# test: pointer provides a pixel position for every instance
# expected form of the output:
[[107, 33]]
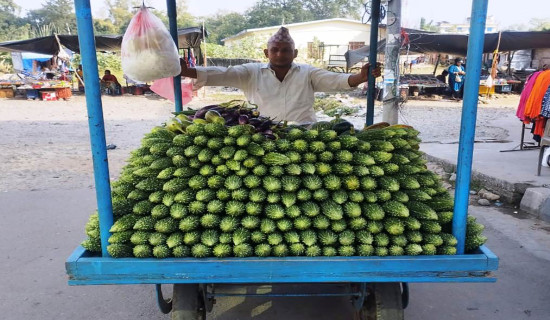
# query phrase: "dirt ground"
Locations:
[[46, 145]]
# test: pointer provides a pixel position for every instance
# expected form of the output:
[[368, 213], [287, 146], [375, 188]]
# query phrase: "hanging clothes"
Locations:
[[520, 113], [534, 103], [545, 111], [540, 124]]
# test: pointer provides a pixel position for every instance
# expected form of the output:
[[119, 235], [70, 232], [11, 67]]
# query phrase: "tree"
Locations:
[[221, 26], [11, 26], [104, 26], [327, 9], [427, 26], [540, 24], [185, 19], [121, 12], [267, 13], [9, 6], [248, 48], [57, 13]]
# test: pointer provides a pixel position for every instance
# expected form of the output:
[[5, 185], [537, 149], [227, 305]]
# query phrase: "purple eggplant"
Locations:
[[265, 125], [248, 112], [268, 131], [243, 119], [231, 119], [255, 122], [270, 136], [202, 112]]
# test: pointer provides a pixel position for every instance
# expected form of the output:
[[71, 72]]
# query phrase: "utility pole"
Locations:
[[391, 65]]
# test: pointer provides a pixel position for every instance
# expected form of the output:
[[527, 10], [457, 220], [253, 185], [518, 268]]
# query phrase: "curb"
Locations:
[[509, 192]]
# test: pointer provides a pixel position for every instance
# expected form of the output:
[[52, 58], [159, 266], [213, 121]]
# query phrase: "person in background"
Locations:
[[63, 77], [456, 78], [406, 65], [443, 76], [80, 78], [282, 89], [109, 81]]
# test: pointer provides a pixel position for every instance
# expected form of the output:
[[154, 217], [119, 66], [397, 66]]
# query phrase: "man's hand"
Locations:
[[187, 72], [376, 72], [356, 79]]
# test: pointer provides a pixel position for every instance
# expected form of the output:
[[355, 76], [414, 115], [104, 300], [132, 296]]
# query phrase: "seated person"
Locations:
[[64, 76], [443, 76], [110, 82]]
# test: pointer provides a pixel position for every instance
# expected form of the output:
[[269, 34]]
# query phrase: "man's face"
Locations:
[[280, 54]]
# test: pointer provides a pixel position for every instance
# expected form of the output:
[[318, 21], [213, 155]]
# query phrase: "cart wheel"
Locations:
[[187, 303], [384, 302]]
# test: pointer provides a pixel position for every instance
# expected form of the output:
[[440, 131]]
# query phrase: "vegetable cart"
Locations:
[[377, 285]]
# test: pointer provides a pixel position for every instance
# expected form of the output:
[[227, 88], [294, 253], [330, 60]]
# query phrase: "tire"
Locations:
[[384, 302], [186, 303]]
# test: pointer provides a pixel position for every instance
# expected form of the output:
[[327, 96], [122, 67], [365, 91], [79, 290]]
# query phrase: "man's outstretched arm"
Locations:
[[356, 79], [187, 72], [235, 76]]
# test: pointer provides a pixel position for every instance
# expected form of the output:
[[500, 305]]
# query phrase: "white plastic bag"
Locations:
[[148, 51]]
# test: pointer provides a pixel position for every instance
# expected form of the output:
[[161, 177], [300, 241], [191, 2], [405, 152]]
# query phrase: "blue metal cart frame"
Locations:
[[85, 268]]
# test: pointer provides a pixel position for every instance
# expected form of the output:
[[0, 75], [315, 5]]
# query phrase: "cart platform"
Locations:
[[85, 268]]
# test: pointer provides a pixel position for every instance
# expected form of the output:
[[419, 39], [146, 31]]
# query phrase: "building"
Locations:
[[323, 41], [464, 28], [541, 57]]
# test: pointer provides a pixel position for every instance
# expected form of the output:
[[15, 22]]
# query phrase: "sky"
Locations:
[[506, 12]]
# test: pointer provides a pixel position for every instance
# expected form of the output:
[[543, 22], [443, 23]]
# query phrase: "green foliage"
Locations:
[[12, 27], [539, 24], [54, 16], [276, 12], [250, 48], [221, 26]]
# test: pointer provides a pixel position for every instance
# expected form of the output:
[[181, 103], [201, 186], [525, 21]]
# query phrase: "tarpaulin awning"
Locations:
[[457, 44], [187, 38]]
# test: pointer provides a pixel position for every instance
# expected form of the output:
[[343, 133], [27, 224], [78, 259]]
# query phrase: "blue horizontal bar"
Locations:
[[84, 269]]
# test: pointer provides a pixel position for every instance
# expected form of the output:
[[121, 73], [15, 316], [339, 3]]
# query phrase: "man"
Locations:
[[110, 82], [282, 89]]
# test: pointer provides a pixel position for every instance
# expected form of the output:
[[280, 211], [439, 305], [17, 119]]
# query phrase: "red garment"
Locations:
[[534, 103], [540, 124], [109, 77]]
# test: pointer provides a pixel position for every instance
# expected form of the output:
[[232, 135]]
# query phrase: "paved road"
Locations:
[[39, 229]]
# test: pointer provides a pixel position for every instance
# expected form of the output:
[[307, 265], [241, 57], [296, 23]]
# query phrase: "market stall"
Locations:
[[47, 90], [34, 83], [457, 44]]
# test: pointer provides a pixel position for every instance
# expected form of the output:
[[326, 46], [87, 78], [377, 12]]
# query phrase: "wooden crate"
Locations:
[[7, 93]]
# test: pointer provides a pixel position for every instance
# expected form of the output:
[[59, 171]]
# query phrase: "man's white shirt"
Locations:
[[292, 99]]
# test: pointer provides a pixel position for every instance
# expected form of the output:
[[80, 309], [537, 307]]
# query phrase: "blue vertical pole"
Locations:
[[468, 122], [172, 19], [95, 119], [371, 90]]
